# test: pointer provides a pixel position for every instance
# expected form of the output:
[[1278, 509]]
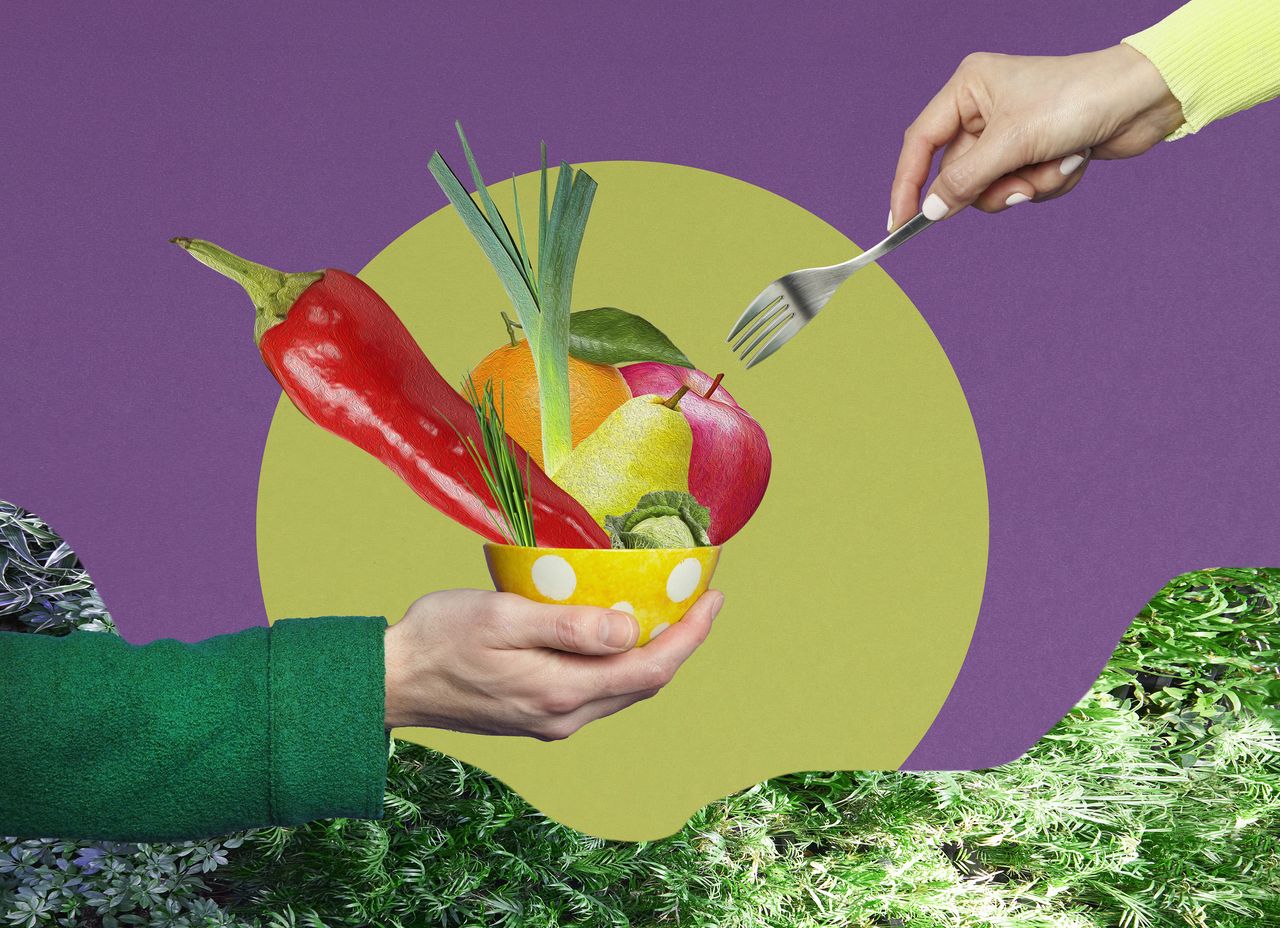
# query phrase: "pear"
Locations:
[[642, 446]]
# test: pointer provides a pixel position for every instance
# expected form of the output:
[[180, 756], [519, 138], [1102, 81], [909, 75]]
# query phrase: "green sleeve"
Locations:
[[105, 740]]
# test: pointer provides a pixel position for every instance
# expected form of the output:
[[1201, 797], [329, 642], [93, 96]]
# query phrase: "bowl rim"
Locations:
[[499, 546]]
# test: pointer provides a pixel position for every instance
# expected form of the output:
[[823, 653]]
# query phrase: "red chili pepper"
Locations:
[[348, 363]]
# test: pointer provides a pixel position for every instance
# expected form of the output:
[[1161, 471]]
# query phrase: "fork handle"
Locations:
[[909, 229]]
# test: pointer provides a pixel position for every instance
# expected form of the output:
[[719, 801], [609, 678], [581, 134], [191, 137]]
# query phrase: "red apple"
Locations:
[[729, 468]]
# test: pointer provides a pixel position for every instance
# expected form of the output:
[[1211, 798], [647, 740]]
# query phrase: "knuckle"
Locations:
[[655, 675], [960, 179], [500, 618], [558, 703], [569, 630]]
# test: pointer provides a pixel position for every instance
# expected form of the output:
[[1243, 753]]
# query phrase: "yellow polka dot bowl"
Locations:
[[656, 585]]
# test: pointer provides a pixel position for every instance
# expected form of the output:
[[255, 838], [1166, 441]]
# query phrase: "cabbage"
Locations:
[[663, 519]]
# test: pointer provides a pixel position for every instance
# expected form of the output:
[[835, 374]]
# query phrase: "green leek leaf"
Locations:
[[512, 279]]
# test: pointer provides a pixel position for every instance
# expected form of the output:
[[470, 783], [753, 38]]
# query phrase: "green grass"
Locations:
[[1155, 802]]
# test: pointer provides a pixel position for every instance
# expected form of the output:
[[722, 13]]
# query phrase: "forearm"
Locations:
[[1217, 56], [107, 740]]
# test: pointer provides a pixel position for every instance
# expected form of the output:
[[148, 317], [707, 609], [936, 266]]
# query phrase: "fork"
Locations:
[[789, 303]]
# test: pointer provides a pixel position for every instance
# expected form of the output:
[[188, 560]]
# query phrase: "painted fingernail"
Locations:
[[888, 227], [1016, 198], [934, 207], [1071, 162], [617, 630]]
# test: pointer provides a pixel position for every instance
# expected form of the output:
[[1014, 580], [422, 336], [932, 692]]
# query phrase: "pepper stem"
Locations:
[[273, 292], [715, 385], [674, 400]]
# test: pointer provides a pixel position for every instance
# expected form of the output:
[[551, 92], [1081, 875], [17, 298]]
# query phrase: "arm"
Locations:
[[102, 739], [281, 725], [1013, 128]]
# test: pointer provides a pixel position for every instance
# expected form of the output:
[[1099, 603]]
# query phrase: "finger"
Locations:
[[1061, 178], [995, 153], [523, 623], [936, 125], [653, 666], [1037, 182]]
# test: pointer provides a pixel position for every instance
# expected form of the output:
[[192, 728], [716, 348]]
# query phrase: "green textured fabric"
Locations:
[[105, 740]]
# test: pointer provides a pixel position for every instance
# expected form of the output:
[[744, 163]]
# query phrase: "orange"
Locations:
[[595, 390]]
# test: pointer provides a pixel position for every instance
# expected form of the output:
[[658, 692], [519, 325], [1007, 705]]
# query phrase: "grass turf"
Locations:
[[1155, 802]]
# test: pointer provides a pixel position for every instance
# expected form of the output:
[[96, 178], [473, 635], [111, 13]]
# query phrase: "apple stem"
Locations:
[[675, 398], [715, 385], [512, 325]]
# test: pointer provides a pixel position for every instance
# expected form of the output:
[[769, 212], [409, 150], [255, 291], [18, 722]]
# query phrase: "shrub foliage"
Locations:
[[1155, 802]]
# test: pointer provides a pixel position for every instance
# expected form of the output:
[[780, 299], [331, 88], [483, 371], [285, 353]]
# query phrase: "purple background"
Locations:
[[1118, 347]]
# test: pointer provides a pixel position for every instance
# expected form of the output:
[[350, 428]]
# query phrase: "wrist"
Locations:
[[395, 713], [1146, 94]]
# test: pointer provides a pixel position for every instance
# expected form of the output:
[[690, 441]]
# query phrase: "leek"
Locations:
[[541, 296]]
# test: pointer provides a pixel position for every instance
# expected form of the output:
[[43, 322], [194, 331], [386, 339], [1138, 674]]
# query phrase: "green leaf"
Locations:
[[496, 222], [609, 335], [557, 259], [512, 277]]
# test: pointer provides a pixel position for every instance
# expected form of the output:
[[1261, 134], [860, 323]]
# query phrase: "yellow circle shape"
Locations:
[[850, 597]]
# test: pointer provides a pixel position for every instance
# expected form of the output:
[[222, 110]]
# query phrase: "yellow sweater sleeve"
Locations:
[[1217, 56]]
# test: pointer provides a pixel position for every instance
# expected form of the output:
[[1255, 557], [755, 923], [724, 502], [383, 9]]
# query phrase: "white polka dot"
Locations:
[[684, 579], [554, 577], [659, 629], [623, 606]]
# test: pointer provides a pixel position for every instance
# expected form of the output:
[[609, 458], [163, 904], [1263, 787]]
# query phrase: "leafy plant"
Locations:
[[88, 884], [1151, 805], [43, 586], [1154, 804]]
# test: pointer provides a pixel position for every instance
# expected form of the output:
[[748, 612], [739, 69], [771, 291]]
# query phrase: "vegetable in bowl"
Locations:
[[662, 519]]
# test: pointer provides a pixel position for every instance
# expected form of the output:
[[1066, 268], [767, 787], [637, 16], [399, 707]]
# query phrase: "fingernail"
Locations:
[[617, 630], [715, 607], [1071, 162], [888, 226], [934, 208], [1016, 198]]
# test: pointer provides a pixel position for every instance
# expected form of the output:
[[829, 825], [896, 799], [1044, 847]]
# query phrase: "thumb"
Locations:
[[578, 629], [960, 182]]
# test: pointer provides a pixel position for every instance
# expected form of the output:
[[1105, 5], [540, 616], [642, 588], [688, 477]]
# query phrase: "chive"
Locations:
[[498, 467]]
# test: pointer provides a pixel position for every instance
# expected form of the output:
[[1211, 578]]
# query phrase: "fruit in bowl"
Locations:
[[656, 585], [592, 483]]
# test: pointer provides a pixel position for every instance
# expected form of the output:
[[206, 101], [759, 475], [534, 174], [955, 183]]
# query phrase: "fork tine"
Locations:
[[783, 335], [768, 296], [778, 307], [775, 326]]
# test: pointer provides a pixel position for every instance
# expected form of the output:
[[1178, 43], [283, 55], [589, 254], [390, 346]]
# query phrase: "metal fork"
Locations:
[[788, 304]]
